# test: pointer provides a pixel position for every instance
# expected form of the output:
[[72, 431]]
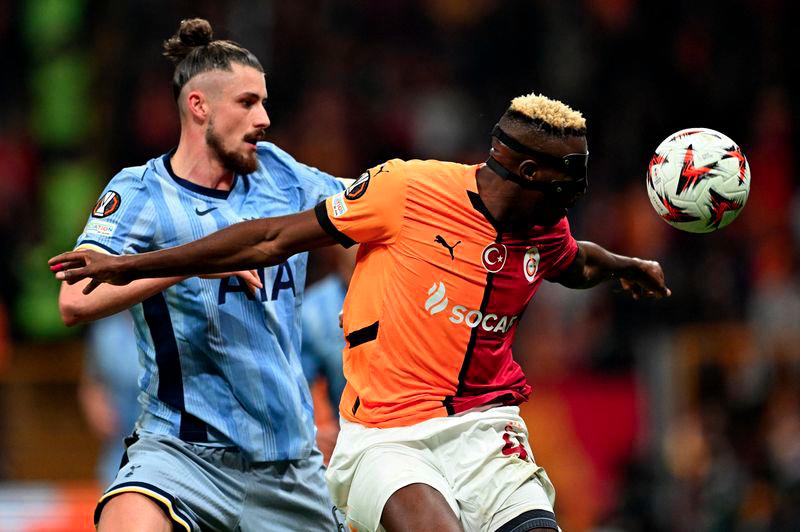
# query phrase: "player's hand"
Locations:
[[645, 278], [249, 277], [74, 266]]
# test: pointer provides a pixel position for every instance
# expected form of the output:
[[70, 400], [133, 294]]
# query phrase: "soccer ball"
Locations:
[[698, 180]]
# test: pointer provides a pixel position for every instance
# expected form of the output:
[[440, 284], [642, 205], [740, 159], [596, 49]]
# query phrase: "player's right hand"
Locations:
[[74, 266], [645, 280], [250, 278]]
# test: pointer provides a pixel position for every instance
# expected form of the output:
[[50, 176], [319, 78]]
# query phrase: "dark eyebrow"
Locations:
[[249, 95]]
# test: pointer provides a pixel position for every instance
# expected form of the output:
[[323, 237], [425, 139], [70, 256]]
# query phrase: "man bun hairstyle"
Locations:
[[191, 33], [551, 116], [193, 51]]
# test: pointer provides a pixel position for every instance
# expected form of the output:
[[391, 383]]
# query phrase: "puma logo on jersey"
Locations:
[[440, 240]]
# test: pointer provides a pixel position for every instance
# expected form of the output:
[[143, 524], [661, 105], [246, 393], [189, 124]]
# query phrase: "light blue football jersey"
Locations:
[[323, 339], [221, 366]]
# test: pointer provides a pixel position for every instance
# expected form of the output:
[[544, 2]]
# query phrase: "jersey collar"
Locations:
[[194, 187]]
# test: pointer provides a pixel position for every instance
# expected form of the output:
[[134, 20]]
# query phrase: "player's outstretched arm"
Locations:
[[75, 308], [594, 264], [243, 246]]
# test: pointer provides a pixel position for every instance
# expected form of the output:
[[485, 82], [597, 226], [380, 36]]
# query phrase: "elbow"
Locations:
[[269, 253], [71, 313]]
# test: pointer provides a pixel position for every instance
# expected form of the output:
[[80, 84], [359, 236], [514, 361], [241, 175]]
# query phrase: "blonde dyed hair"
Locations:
[[552, 115]]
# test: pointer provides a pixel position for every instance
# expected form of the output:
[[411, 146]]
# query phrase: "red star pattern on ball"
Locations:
[[691, 175], [675, 213], [736, 153], [719, 206]]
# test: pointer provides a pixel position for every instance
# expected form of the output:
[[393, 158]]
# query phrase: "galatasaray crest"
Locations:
[[530, 263]]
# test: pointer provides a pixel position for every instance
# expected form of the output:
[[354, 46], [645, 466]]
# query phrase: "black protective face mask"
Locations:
[[574, 165]]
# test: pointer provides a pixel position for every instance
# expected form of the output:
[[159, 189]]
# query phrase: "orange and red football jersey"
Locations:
[[436, 295]]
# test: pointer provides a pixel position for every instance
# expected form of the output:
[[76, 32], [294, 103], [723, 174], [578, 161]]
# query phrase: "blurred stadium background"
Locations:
[[675, 415]]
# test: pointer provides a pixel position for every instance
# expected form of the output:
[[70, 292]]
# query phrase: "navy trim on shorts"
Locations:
[[127, 442], [530, 520], [170, 377], [176, 527], [321, 212]]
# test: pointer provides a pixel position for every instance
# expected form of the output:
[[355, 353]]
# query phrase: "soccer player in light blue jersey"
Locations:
[[323, 338], [225, 440]]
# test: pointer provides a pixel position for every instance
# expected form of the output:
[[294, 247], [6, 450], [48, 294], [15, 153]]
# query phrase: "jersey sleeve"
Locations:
[[370, 210], [564, 251], [123, 220], [314, 185], [319, 184]]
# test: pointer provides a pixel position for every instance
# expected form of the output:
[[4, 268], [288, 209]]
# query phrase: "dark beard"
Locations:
[[231, 161]]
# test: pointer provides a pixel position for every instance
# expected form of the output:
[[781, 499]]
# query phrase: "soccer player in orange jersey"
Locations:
[[450, 256]]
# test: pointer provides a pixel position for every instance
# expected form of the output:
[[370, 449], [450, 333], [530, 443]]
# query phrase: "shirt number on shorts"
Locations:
[[513, 443]]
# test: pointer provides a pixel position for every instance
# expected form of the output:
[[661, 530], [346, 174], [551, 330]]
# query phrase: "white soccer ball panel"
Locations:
[[698, 180]]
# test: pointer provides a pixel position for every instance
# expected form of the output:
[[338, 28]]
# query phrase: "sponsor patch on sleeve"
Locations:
[[99, 228], [359, 186], [106, 205], [338, 205]]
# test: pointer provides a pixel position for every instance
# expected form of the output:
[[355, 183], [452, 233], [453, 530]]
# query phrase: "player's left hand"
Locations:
[[75, 266], [645, 279]]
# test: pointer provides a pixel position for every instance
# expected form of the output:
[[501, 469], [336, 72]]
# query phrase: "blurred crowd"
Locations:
[[672, 415]]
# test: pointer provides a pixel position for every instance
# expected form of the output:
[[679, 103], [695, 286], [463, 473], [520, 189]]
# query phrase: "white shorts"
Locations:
[[480, 462]]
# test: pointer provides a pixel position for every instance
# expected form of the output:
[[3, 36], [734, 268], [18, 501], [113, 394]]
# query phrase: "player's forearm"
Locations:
[[601, 265], [242, 246], [77, 308]]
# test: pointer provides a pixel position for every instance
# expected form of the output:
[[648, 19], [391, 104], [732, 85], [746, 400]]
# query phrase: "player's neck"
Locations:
[[194, 161], [502, 199]]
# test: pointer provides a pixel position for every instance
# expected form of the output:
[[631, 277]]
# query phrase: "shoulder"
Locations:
[[561, 228], [276, 168], [396, 178], [423, 169], [132, 176], [279, 163], [286, 171], [413, 165], [429, 180], [136, 186], [130, 183], [269, 152], [143, 175], [552, 235]]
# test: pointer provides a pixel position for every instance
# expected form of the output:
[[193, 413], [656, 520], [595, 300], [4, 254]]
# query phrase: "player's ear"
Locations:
[[528, 168], [197, 105]]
